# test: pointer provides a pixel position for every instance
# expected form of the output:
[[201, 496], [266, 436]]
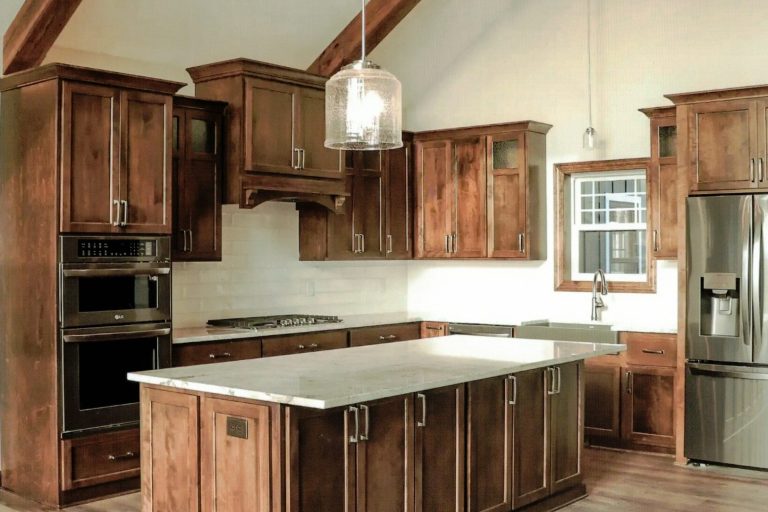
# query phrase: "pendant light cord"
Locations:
[[362, 58], [589, 58]]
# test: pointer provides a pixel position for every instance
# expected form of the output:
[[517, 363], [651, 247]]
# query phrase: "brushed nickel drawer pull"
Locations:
[[366, 435], [388, 338], [313, 346], [355, 437], [752, 169], [657, 352], [122, 456], [301, 346], [629, 383], [117, 213], [219, 356], [513, 380]]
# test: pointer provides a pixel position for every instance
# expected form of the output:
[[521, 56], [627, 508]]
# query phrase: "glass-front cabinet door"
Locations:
[[507, 230]]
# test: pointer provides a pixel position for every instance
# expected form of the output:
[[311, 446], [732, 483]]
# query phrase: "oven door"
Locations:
[[96, 393], [98, 294]]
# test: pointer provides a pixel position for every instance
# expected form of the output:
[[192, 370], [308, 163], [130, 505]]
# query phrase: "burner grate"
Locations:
[[273, 322]]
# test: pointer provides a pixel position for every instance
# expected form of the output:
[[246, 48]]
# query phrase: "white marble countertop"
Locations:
[[333, 378]]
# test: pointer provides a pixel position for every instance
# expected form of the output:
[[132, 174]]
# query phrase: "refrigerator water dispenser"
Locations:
[[720, 314]]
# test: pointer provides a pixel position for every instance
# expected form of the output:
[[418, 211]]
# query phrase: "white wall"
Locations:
[[465, 63]]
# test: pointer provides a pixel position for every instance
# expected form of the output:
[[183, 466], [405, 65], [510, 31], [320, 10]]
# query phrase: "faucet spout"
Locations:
[[597, 301]]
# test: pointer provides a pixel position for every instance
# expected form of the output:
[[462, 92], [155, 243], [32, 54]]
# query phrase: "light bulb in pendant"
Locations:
[[590, 136]]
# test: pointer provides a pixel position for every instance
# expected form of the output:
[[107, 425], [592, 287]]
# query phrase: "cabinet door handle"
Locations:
[[752, 169], [447, 244], [297, 154], [655, 240], [454, 243], [303, 158], [629, 382], [313, 346], [355, 437], [551, 372], [301, 346], [659, 352], [559, 379], [521, 242], [184, 240], [362, 243], [125, 213], [219, 356], [760, 169], [366, 436], [389, 244], [122, 456], [388, 337], [423, 398], [190, 240], [116, 222], [513, 394]]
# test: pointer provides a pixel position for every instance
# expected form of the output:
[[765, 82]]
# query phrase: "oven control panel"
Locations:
[[116, 248]]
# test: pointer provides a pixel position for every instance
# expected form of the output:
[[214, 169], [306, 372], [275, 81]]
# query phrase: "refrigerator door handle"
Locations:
[[756, 268], [719, 370]]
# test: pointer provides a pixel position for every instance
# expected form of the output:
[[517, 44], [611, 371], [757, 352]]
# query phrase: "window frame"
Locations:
[[565, 280]]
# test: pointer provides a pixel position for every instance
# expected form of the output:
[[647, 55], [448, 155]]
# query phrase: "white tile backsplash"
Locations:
[[260, 274]]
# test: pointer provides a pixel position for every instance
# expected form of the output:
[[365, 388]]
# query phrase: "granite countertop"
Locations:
[[333, 378], [208, 333]]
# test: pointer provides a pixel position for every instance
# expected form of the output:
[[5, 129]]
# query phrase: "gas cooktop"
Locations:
[[273, 322]]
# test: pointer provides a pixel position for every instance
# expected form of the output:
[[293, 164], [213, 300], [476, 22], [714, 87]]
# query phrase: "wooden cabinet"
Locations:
[[662, 181], [630, 398], [190, 354], [531, 435], [383, 334], [375, 222], [197, 167], [433, 329], [116, 160], [100, 458], [276, 133], [566, 403], [301, 343], [481, 192]]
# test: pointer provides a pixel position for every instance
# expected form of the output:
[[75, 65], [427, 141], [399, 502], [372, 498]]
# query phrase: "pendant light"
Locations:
[[363, 106], [590, 134]]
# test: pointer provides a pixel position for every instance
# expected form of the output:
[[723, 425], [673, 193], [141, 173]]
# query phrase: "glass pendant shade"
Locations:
[[363, 108], [589, 138]]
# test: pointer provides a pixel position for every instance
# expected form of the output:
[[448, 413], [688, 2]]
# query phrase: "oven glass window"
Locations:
[[103, 369], [117, 292]]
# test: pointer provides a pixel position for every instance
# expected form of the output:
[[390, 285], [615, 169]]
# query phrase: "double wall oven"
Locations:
[[115, 312]]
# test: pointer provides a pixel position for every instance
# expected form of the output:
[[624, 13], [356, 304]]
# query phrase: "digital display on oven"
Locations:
[[90, 248]]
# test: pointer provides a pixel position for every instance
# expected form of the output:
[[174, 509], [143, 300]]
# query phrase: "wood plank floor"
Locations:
[[622, 481]]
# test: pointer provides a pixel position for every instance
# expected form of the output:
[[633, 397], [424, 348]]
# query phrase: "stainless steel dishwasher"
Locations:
[[496, 331]]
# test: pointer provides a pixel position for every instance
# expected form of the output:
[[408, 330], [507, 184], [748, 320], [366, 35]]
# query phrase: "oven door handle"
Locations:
[[106, 272], [115, 335]]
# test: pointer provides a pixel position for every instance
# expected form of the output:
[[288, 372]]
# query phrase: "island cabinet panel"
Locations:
[[317, 446], [170, 455], [236, 464], [190, 354], [530, 443], [566, 405], [439, 450], [602, 401], [648, 413], [301, 343], [384, 334]]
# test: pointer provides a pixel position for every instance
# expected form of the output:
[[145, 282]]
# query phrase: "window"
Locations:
[[603, 214]]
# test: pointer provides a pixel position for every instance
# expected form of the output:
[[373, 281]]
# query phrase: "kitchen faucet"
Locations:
[[597, 302]]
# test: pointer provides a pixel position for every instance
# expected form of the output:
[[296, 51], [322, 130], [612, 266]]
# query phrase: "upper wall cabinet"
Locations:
[[197, 168], [723, 138], [480, 192], [662, 181], [275, 131]]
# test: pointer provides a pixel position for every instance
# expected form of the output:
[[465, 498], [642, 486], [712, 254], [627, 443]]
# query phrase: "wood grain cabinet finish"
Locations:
[[480, 192], [275, 130], [384, 334], [197, 176], [190, 354], [376, 220], [602, 412], [648, 406], [662, 181], [302, 343], [116, 160], [566, 403], [433, 329], [100, 458]]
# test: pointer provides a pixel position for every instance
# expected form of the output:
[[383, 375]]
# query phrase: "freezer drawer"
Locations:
[[726, 414]]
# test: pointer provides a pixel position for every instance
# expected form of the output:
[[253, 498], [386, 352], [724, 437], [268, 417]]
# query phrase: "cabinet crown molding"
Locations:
[[753, 91], [257, 69], [655, 112], [488, 129]]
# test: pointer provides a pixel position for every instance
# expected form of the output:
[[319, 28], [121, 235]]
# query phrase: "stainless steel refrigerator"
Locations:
[[726, 387]]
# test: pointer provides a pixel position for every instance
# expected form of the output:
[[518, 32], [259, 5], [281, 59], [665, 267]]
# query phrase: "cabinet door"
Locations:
[[316, 159], [190, 354], [723, 145], [270, 135], [530, 481], [368, 205], [507, 219], [489, 427], [236, 459], [399, 203], [170, 474], [383, 334], [145, 161], [566, 435], [662, 187], [89, 158], [648, 406], [318, 450], [602, 393], [302, 343], [439, 450], [470, 194], [434, 199], [181, 209], [384, 457]]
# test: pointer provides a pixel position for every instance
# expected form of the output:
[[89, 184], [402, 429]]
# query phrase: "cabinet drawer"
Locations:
[[383, 334], [301, 343], [188, 354], [99, 459], [650, 349]]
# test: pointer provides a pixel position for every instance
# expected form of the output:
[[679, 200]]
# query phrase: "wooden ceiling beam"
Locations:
[[33, 31], [381, 16]]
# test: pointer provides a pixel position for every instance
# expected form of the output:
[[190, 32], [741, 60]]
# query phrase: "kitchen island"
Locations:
[[441, 424]]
